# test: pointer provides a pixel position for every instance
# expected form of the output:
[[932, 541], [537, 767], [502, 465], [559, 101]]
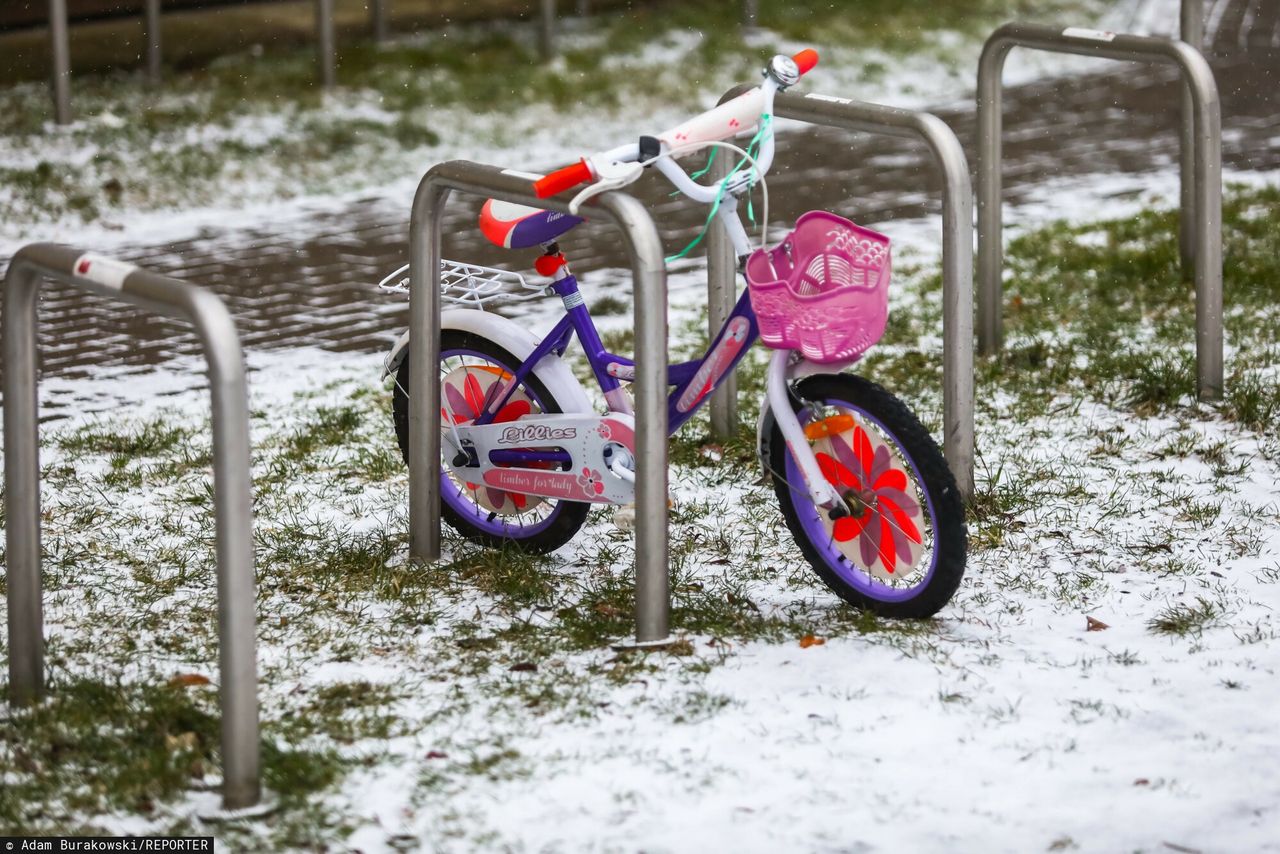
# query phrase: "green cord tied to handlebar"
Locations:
[[766, 122]]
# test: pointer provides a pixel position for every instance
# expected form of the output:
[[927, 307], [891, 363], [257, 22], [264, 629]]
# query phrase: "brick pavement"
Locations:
[[287, 291]]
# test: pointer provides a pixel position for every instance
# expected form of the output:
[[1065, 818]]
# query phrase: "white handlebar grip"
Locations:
[[725, 121]]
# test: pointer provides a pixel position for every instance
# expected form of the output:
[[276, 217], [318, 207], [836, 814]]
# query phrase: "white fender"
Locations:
[[551, 371]]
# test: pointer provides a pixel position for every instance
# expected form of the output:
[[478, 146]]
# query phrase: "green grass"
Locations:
[[1101, 311], [1186, 619], [96, 746], [1117, 303], [371, 650], [150, 438]]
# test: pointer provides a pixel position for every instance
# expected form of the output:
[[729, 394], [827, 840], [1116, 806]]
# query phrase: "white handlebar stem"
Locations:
[[728, 120]]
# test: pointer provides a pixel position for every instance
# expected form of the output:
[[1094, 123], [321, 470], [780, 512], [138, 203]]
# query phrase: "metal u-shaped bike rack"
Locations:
[[649, 274], [1202, 128], [957, 259], [233, 509]]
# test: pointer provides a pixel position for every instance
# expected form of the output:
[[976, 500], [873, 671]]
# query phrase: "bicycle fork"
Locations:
[[823, 493]]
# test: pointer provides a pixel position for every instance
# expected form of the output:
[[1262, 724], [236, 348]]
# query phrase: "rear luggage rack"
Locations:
[[471, 285]]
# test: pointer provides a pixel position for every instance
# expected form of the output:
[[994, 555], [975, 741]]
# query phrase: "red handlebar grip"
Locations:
[[562, 179], [806, 59]]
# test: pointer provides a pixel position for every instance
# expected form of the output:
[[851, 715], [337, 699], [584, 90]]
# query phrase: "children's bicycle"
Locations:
[[862, 486]]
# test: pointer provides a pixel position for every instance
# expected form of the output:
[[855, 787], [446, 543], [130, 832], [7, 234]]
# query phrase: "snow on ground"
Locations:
[[1003, 726]]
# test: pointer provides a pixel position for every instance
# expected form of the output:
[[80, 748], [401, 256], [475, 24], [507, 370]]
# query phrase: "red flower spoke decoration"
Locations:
[[888, 532]]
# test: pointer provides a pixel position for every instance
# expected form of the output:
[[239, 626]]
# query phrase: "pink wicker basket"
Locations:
[[824, 290]]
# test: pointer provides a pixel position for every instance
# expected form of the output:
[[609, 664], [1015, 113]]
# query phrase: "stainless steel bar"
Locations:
[[325, 41], [233, 509], [650, 290], [424, 355], [990, 192], [378, 26], [233, 512], [649, 273], [1206, 121], [154, 53], [722, 281], [957, 247], [1191, 31], [22, 487], [547, 30], [1207, 114], [60, 54]]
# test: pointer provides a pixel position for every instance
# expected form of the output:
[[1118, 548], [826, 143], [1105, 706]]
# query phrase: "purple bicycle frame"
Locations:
[[692, 381]]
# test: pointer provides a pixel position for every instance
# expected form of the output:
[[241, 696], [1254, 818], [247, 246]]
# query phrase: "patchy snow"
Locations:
[[537, 138], [1008, 727]]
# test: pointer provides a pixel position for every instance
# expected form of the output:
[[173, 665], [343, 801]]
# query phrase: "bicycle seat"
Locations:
[[513, 226]]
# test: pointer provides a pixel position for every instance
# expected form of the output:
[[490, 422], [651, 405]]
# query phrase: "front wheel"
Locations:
[[902, 550]]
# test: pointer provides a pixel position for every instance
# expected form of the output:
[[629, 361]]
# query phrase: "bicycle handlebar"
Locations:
[[582, 172], [805, 60], [562, 179]]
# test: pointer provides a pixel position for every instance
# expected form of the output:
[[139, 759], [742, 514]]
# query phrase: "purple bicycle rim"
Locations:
[[476, 515], [811, 522]]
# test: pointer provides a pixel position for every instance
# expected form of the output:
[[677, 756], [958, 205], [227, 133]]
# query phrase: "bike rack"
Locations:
[[60, 47], [325, 40], [233, 509], [1191, 31], [1202, 203], [60, 51], [957, 258], [653, 602]]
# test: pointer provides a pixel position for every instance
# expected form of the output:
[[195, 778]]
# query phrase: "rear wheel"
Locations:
[[902, 551], [472, 368]]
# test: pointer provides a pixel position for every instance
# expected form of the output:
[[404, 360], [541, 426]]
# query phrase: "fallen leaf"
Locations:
[[436, 754], [1142, 781], [604, 609], [186, 680], [187, 741], [811, 640], [524, 667], [1092, 625]]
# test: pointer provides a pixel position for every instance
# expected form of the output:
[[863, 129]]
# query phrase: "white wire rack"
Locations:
[[472, 285]]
